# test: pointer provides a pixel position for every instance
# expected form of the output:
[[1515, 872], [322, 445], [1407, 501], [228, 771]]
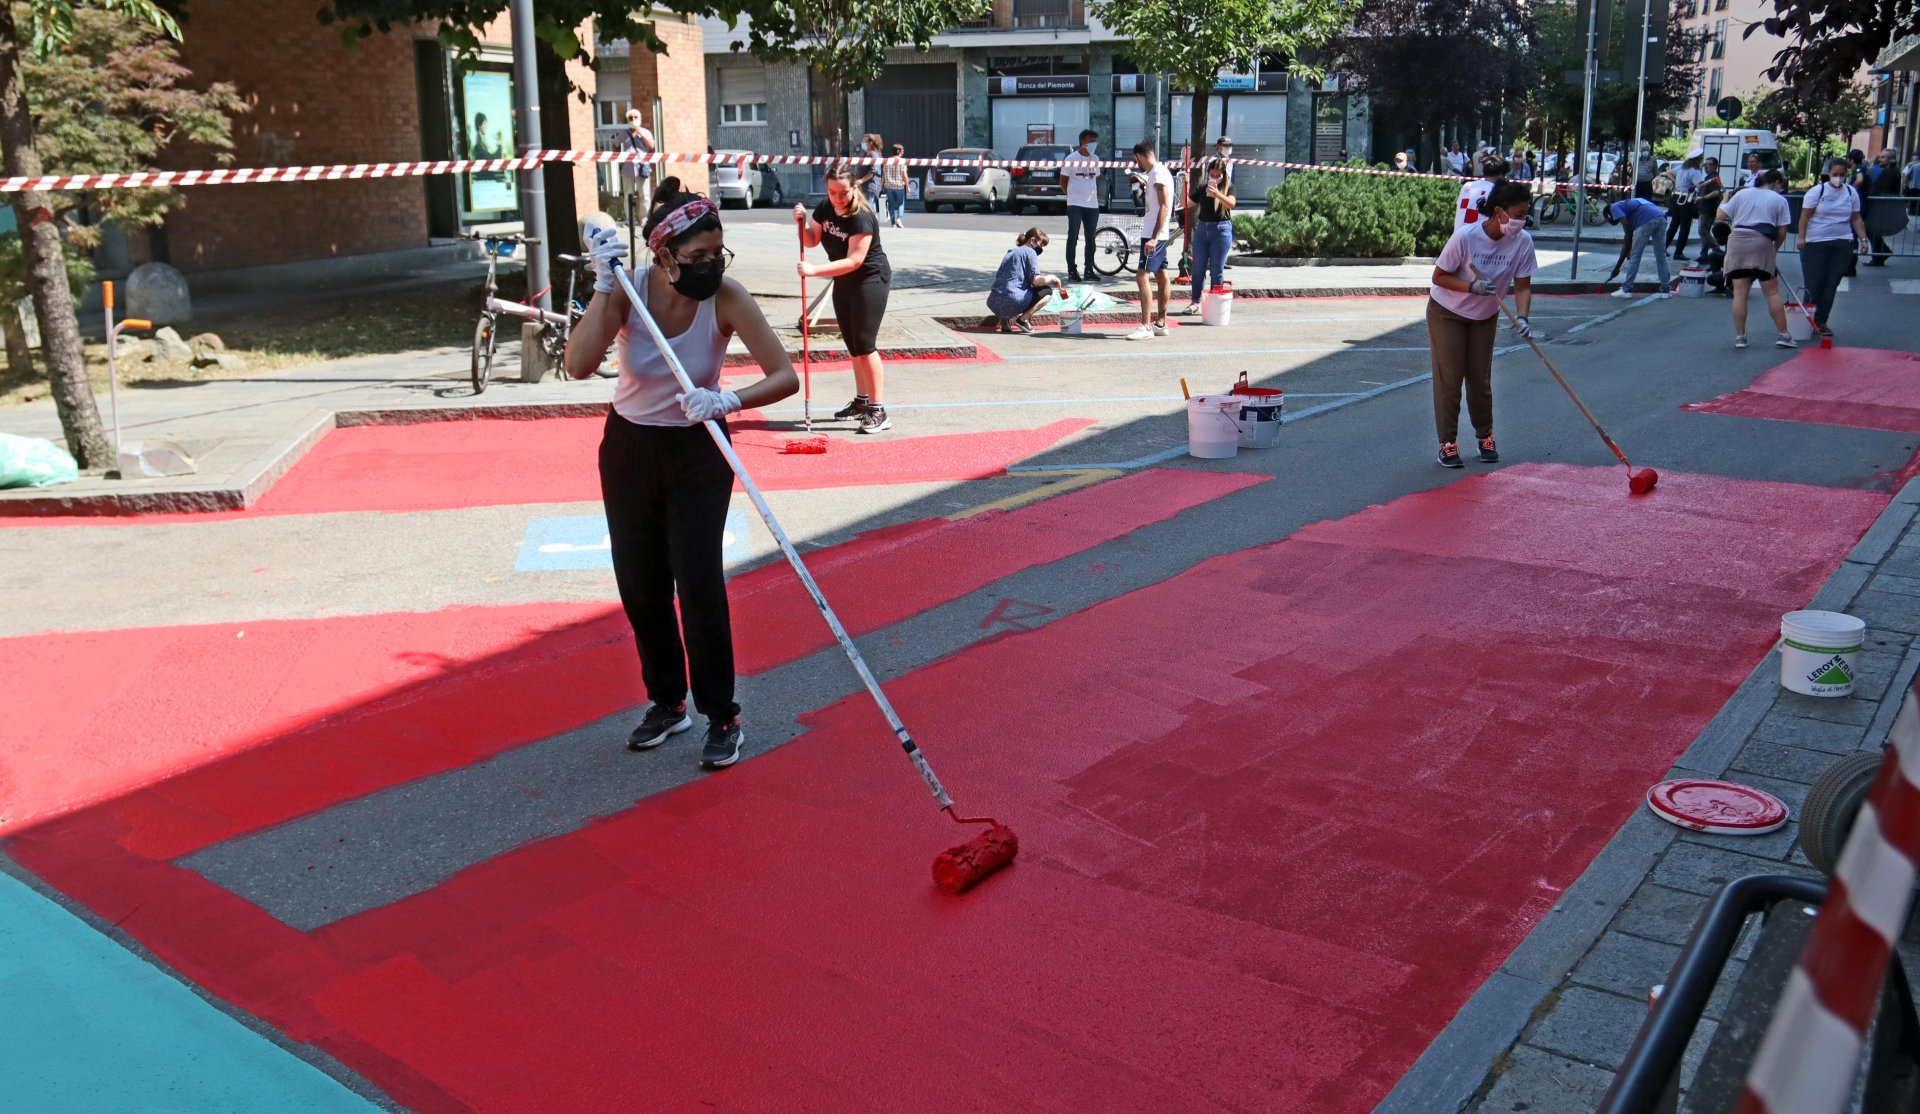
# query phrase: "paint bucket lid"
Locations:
[[1717, 807], [1823, 628]]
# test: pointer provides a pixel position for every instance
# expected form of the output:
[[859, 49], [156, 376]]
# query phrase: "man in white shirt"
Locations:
[[1083, 200], [1156, 215], [638, 175]]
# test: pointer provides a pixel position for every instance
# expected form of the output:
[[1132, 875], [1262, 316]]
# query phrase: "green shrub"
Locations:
[[1320, 214], [1670, 147]]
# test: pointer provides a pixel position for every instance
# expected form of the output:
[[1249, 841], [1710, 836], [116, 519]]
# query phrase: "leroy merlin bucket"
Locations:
[[1818, 650], [1800, 319], [1216, 305], [1693, 282], [1258, 414], [1212, 433], [1072, 321]]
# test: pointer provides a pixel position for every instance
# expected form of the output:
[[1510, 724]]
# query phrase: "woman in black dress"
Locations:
[[850, 231]]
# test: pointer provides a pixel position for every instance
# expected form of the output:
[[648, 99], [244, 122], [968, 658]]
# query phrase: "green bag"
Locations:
[[33, 462]]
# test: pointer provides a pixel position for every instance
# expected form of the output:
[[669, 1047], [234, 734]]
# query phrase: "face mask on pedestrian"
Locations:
[[700, 280]]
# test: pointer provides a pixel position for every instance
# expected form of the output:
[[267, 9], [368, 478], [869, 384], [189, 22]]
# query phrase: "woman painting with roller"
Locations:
[[1474, 271], [665, 483], [862, 277]]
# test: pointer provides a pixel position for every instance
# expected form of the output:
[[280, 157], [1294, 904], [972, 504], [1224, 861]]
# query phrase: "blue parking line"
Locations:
[[580, 541]]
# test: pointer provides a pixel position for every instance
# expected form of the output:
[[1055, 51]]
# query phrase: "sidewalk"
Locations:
[[1547, 1030]]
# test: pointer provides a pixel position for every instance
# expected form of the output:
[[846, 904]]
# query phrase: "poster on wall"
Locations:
[[486, 130]]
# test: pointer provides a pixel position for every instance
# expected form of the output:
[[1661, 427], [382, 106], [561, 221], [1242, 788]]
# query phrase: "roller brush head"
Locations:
[[804, 445], [958, 869], [1642, 480]]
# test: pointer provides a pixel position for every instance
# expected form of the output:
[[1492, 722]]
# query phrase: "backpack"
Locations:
[[1663, 187]]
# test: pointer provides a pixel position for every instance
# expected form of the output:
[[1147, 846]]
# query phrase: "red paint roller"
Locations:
[[957, 869], [1639, 480]]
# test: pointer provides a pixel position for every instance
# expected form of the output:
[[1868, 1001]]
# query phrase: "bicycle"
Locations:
[[558, 326], [1112, 247]]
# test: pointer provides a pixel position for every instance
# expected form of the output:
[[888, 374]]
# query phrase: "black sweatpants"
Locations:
[[666, 490], [1823, 263]]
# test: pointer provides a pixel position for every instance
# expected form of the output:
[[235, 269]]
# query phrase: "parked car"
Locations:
[[745, 186], [985, 186], [1038, 185]]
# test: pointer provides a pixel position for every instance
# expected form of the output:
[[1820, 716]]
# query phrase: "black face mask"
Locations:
[[701, 280]]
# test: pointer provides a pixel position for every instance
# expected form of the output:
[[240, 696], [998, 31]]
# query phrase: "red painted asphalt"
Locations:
[[1280, 815], [1869, 388]]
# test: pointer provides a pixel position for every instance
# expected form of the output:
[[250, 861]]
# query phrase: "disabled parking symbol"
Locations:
[[580, 541]]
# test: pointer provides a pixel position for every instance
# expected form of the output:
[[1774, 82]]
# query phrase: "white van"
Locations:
[[1731, 146]]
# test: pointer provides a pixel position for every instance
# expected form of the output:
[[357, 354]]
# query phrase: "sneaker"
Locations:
[[1073, 275], [1664, 294], [1450, 455], [1144, 332], [1488, 454], [875, 420], [852, 409], [1192, 307], [1740, 342], [1823, 332], [1784, 340], [1623, 292], [660, 721], [1159, 328], [723, 745]]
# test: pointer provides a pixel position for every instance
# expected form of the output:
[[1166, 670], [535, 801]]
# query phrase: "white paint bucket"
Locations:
[[1216, 305], [1693, 282], [1818, 650], [1212, 432], [1800, 322], [1072, 321], [1258, 417]]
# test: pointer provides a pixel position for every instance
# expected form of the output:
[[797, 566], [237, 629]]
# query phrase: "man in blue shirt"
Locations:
[[1644, 222]]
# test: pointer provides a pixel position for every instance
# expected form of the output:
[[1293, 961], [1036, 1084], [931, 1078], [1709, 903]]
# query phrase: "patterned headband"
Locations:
[[678, 221]]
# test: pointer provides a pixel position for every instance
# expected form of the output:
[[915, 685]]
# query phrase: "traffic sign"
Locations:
[[1728, 108]]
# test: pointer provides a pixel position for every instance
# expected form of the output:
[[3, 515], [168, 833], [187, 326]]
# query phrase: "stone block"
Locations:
[[167, 347], [1781, 761], [1539, 1081], [1660, 913], [1590, 1025], [1811, 734], [1701, 869], [159, 293]]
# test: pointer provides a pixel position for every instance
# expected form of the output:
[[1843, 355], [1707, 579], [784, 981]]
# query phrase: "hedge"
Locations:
[[1326, 215]]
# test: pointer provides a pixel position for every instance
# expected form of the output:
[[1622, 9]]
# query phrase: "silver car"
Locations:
[[744, 186], [986, 186]]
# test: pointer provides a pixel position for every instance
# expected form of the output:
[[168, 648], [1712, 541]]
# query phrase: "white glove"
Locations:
[[604, 249], [703, 405], [1522, 327], [1480, 286]]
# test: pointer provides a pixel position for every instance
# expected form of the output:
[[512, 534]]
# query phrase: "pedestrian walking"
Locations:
[[1832, 235], [893, 177], [1882, 216], [1519, 168], [1642, 223], [1466, 207], [1401, 164], [1213, 201], [637, 176], [846, 226], [1759, 217], [1707, 197], [867, 177], [665, 484], [1911, 176], [1480, 263], [1684, 209], [1083, 202], [1223, 151], [1156, 214], [1019, 286], [1456, 160], [1643, 171]]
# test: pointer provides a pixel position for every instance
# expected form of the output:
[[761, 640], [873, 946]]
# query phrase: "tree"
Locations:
[[1815, 119], [847, 39], [1192, 40], [49, 26], [1427, 62], [1562, 49], [1829, 41]]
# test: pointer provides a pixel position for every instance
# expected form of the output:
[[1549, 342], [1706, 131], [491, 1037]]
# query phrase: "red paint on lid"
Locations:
[[1721, 807]]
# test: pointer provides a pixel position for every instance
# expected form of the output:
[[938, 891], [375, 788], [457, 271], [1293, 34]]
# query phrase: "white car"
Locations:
[[989, 187], [747, 185]]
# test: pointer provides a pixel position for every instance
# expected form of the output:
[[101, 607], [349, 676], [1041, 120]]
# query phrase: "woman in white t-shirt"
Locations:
[[1831, 233], [1760, 216], [1480, 262]]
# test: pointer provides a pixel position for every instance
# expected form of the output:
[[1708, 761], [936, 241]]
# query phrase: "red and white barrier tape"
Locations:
[[155, 179], [1806, 1062]]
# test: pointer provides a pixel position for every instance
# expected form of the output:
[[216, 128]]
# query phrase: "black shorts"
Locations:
[[859, 305], [1754, 273]]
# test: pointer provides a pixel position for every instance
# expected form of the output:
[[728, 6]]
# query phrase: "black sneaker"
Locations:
[[854, 409], [1488, 454], [723, 745], [875, 420], [1450, 455], [1073, 275], [660, 721]]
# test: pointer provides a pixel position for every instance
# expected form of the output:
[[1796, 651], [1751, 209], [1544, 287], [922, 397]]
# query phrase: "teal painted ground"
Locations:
[[92, 1027]]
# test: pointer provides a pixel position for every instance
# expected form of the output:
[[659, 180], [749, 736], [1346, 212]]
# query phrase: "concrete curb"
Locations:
[[1455, 1064]]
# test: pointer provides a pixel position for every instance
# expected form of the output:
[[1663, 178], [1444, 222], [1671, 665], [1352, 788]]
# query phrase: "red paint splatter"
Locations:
[[1867, 388]]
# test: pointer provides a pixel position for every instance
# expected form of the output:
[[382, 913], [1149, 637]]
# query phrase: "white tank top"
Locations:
[[646, 393]]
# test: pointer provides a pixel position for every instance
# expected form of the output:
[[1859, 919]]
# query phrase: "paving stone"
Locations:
[[1626, 965], [1856, 710], [1590, 1025], [1810, 734], [1660, 913], [1540, 1082], [1702, 869], [1902, 585], [1903, 561], [1777, 845], [1783, 762], [1888, 610]]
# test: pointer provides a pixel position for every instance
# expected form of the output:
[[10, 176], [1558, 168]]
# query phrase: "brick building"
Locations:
[[400, 96]]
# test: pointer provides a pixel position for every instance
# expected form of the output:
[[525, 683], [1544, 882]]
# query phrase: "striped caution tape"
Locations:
[[156, 179], [1807, 1060]]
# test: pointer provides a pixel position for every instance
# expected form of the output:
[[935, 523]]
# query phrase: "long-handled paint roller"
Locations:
[[809, 443], [956, 869], [1639, 480]]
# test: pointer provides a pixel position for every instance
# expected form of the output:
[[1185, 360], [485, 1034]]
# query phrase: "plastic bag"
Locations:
[[1083, 298], [33, 462]]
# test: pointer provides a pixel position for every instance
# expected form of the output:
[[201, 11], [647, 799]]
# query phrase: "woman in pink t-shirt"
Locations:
[[1476, 268]]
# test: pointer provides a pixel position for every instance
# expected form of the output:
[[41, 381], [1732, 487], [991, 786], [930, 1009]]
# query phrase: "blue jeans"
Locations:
[[1079, 217], [896, 204], [1653, 232], [1211, 239]]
